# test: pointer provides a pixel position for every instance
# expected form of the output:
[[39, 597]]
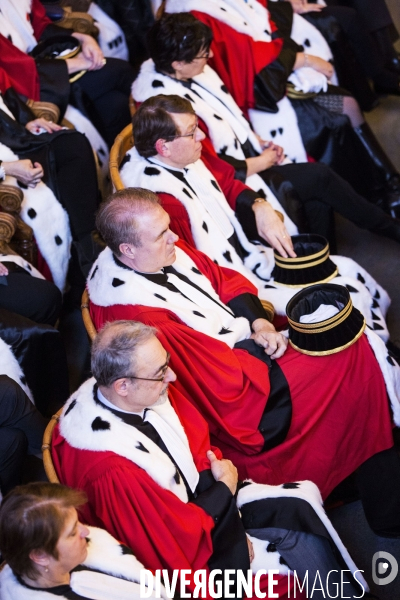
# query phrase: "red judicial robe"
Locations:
[[340, 406], [162, 531], [238, 68], [20, 69]]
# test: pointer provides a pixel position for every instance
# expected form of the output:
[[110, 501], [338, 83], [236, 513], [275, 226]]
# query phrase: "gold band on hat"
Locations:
[[304, 285], [333, 350], [289, 259], [323, 325], [305, 265]]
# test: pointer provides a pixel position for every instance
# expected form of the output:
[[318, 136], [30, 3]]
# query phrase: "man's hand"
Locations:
[[35, 125], [223, 470], [302, 6], [280, 155], [271, 229], [24, 171], [265, 335], [3, 270], [263, 161], [91, 51]]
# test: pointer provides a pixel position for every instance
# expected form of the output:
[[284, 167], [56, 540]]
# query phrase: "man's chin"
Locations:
[[163, 397]]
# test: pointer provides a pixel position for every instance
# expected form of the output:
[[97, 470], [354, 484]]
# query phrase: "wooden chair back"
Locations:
[[123, 143], [21, 240], [87, 319], [46, 448]]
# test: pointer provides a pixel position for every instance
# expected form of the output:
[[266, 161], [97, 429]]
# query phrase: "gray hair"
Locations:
[[114, 350], [117, 217]]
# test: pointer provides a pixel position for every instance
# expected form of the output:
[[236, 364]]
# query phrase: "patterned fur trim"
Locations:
[[105, 554], [109, 284], [49, 221], [305, 490], [88, 426], [9, 366], [21, 262]]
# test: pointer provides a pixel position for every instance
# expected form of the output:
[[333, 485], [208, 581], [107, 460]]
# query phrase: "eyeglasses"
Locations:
[[163, 373], [190, 134]]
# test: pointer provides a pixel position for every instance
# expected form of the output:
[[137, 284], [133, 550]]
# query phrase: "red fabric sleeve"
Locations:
[[238, 58], [227, 283], [162, 531], [228, 387], [19, 70], [223, 172], [39, 18], [180, 222]]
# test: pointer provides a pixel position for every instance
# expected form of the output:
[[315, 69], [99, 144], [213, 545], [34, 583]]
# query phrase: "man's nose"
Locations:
[[173, 238], [170, 375], [200, 135]]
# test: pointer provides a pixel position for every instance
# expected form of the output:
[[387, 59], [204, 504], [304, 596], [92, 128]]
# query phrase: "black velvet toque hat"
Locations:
[[328, 336], [311, 265]]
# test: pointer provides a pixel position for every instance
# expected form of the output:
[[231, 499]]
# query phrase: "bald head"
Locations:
[[115, 350], [120, 219]]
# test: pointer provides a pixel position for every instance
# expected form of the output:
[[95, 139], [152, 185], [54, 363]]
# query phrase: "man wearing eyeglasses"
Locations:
[[220, 215], [142, 454]]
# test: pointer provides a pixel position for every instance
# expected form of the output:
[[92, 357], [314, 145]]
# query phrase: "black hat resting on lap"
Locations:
[[322, 320], [311, 265]]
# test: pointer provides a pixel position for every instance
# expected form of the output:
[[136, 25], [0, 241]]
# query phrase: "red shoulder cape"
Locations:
[[163, 532], [238, 58], [340, 407]]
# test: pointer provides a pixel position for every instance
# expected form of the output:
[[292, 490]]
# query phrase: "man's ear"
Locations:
[[177, 65], [120, 387], [162, 148], [127, 250]]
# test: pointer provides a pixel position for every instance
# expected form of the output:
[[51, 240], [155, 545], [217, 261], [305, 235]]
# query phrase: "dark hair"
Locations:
[[32, 517], [177, 36], [152, 121], [116, 217], [114, 349]]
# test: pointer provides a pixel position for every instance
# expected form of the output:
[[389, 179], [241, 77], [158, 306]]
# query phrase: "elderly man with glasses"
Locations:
[[142, 454]]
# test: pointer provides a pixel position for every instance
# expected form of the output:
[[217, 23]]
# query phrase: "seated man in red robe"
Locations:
[[142, 454], [295, 417], [198, 192]]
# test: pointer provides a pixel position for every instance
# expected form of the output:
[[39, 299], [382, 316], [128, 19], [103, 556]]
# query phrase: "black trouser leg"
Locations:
[[378, 480], [36, 299], [318, 183], [108, 89], [21, 431], [76, 181]]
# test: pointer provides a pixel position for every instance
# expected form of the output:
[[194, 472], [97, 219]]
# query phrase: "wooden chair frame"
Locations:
[[87, 319], [46, 448], [123, 143]]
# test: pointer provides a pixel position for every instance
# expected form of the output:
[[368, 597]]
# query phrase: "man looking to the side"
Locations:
[[142, 454], [296, 417], [198, 193]]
